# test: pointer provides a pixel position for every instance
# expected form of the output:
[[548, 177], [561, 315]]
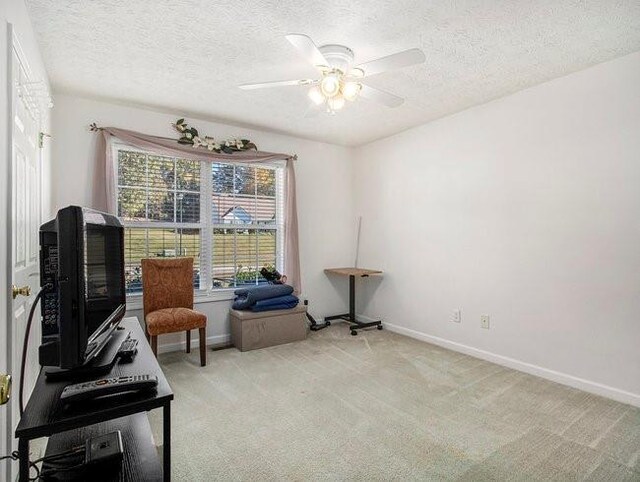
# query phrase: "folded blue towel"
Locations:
[[276, 301], [247, 297], [265, 291], [279, 306]]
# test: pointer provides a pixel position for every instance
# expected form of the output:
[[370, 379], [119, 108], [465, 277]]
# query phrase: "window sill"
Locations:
[[134, 302]]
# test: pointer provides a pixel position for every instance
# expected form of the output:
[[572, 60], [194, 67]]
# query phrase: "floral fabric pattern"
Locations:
[[168, 296]]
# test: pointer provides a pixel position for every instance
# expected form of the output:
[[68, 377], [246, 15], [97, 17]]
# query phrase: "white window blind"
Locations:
[[228, 217]]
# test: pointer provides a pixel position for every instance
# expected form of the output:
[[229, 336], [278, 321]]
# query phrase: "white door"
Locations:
[[25, 199]]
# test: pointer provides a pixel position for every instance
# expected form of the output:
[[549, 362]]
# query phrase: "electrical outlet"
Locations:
[[484, 321], [456, 316]]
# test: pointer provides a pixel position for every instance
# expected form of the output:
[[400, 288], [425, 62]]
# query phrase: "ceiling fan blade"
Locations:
[[276, 83], [381, 96], [393, 61], [308, 49]]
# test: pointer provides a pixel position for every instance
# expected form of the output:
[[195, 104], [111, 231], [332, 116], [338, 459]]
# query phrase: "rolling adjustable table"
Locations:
[[352, 273]]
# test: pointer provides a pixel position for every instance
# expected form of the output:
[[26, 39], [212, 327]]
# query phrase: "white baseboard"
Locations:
[[563, 378], [195, 343]]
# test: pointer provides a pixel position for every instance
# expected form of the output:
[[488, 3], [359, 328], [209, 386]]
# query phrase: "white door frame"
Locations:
[[5, 284]]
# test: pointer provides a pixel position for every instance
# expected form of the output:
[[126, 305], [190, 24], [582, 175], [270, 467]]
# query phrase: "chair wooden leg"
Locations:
[[188, 341], [203, 346], [154, 345]]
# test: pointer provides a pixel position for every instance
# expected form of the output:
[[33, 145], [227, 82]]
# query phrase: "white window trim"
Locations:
[[134, 301]]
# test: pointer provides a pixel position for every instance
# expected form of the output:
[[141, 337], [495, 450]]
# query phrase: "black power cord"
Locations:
[[51, 459], [25, 345], [13, 456], [73, 458]]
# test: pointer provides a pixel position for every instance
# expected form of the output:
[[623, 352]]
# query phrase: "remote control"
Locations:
[[128, 349], [108, 386]]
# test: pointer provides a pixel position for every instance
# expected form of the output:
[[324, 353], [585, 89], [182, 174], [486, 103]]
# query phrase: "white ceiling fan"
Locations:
[[340, 80]]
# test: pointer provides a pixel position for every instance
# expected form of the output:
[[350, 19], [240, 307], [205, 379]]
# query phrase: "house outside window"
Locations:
[[227, 217]]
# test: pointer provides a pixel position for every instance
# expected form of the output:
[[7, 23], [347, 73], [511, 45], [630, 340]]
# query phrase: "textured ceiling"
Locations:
[[188, 55]]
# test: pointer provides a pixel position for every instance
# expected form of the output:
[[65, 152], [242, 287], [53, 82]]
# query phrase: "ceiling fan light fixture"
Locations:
[[350, 90], [339, 80], [336, 102], [316, 95], [330, 85]]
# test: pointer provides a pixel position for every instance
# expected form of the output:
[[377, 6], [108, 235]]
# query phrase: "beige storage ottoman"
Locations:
[[250, 331]]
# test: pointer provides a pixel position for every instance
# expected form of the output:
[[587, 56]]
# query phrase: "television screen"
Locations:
[[103, 273]]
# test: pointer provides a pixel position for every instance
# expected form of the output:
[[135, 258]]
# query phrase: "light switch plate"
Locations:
[[456, 316]]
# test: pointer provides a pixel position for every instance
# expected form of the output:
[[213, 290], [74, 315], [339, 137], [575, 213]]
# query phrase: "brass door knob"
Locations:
[[24, 291], [5, 388]]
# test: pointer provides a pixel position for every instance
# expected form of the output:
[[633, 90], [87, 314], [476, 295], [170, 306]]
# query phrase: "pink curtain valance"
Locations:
[[104, 191]]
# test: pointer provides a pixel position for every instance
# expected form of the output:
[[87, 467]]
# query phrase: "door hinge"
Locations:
[[41, 137]]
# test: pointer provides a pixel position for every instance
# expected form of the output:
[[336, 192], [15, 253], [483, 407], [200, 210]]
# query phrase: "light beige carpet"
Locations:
[[382, 406]]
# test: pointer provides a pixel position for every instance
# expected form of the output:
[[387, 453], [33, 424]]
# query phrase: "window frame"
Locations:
[[206, 224]]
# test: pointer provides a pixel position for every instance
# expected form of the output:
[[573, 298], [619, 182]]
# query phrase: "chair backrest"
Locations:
[[167, 283]]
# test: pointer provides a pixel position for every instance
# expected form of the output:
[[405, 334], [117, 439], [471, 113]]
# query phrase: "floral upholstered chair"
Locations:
[[168, 302]]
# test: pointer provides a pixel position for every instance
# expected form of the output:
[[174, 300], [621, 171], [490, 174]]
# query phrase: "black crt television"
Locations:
[[82, 263]]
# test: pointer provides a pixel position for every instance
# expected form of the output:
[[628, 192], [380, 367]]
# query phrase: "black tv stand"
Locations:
[[68, 425], [101, 364]]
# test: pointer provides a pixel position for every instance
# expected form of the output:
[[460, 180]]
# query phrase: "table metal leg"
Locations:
[[166, 442], [344, 316], [352, 298], [354, 324], [23, 452]]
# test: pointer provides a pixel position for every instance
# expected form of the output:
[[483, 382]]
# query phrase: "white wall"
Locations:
[[323, 175], [527, 209]]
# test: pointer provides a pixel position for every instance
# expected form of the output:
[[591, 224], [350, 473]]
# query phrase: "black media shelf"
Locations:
[[67, 425]]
